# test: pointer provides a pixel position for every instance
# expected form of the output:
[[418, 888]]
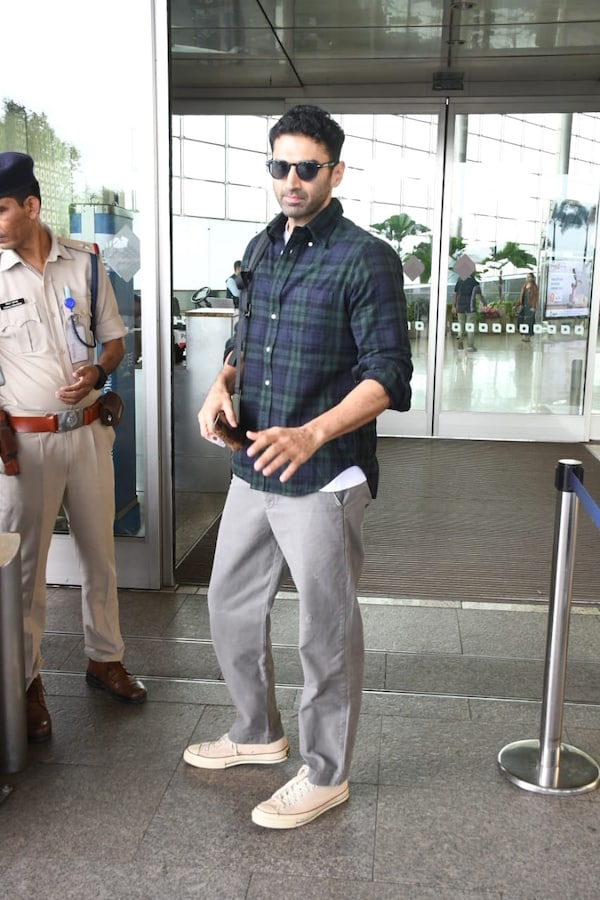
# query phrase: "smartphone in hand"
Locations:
[[230, 437]]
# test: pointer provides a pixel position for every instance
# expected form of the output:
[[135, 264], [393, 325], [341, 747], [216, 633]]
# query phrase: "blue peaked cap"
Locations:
[[16, 172]]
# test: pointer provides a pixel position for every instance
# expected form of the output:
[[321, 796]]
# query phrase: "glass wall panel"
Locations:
[[388, 188], [199, 128], [247, 132], [521, 258], [245, 167], [84, 113], [596, 389], [203, 198], [207, 160]]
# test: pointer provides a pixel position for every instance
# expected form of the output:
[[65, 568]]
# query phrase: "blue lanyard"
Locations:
[[70, 305]]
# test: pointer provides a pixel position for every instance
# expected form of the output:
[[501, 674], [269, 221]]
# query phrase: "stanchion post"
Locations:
[[557, 640], [13, 727], [548, 766]]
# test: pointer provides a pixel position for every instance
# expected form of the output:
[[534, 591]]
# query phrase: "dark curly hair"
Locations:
[[312, 122]]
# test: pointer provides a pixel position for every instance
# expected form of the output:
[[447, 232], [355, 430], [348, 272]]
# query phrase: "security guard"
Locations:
[[50, 385]]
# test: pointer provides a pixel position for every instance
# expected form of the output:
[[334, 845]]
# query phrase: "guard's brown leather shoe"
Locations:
[[39, 724], [114, 678]]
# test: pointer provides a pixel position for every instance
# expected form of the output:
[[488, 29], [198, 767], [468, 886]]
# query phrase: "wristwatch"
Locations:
[[102, 378]]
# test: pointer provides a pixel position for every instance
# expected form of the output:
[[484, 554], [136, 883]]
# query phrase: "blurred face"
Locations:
[[17, 222], [301, 200]]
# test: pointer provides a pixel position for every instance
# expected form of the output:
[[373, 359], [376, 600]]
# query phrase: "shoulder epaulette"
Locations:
[[86, 246]]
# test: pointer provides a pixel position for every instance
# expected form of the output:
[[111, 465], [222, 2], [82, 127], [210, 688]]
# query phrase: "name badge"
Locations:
[[78, 350], [8, 304]]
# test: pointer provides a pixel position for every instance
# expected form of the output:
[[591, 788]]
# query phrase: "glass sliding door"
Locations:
[[523, 196], [222, 196], [90, 124], [511, 200]]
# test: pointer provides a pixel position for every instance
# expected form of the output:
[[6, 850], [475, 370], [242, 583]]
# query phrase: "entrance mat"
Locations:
[[461, 520]]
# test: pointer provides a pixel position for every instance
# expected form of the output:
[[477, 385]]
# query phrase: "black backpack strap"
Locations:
[[94, 292], [243, 279], [243, 282]]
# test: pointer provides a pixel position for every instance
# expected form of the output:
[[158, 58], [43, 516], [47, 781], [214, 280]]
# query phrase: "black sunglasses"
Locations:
[[307, 170]]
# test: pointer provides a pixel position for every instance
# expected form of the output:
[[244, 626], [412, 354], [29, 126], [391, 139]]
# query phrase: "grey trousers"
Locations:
[[320, 537]]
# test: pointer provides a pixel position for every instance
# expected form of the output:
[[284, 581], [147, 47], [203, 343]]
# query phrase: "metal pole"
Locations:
[[576, 383], [557, 639], [549, 766], [13, 726]]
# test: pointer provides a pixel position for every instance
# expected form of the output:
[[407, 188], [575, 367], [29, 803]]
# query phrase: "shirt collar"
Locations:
[[318, 229], [10, 258], [56, 248]]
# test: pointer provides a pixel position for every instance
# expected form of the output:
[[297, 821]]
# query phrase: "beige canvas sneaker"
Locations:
[[224, 753], [298, 802]]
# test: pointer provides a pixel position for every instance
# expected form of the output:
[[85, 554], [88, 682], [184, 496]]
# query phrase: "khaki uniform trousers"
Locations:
[[319, 535], [74, 468]]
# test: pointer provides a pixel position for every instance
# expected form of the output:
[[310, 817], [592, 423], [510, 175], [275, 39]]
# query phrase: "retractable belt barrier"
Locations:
[[13, 727], [548, 766]]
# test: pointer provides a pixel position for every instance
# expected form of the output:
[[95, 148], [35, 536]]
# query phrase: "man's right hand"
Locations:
[[217, 400]]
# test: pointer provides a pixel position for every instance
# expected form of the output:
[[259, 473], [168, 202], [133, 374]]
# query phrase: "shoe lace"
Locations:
[[295, 789], [117, 667], [223, 741]]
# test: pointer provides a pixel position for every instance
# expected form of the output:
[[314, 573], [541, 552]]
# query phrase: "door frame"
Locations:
[[147, 562]]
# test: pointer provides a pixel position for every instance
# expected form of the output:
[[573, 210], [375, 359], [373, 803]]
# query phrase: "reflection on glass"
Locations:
[[522, 225], [380, 191], [596, 391], [87, 159]]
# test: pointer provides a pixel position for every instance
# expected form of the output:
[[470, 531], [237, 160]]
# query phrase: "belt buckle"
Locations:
[[69, 419]]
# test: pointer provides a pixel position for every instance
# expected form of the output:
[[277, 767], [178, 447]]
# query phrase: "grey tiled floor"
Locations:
[[107, 809]]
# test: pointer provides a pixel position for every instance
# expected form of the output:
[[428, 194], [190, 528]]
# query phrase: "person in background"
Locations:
[[50, 386], [464, 305], [326, 351], [233, 291], [527, 304]]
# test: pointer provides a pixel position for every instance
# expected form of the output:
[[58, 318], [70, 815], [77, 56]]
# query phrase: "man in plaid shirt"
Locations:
[[326, 350]]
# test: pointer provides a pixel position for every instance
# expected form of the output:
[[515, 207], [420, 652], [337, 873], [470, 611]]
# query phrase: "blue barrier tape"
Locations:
[[591, 508]]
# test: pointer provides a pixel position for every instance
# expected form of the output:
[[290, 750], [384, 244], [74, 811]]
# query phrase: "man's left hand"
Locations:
[[276, 447]]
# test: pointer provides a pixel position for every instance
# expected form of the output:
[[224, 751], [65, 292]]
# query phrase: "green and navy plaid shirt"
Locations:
[[327, 310]]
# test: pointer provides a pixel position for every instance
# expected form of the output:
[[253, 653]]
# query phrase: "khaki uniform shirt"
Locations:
[[35, 324]]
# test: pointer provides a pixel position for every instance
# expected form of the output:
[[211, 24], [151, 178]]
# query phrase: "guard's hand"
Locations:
[[85, 381], [276, 447]]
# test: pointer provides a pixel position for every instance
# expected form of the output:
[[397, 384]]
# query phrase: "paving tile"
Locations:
[[84, 879], [56, 649], [190, 621], [161, 658], [100, 731], [464, 676], [388, 703], [428, 750], [112, 811], [523, 634], [339, 843], [486, 834], [297, 888], [77, 811], [418, 629]]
